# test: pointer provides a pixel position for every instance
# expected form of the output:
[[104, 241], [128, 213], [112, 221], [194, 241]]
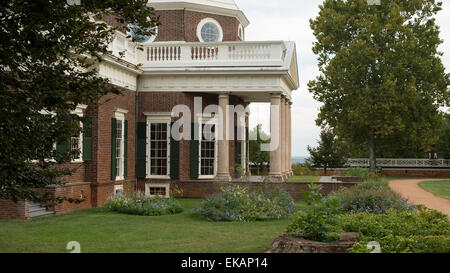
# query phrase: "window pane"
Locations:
[[210, 32]]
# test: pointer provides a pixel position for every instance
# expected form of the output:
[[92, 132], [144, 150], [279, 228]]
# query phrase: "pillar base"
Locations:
[[274, 178], [223, 178]]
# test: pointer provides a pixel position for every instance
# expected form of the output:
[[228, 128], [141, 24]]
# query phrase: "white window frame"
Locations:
[[151, 119], [151, 185], [206, 21], [118, 187], [241, 33], [208, 120], [120, 115], [79, 112]]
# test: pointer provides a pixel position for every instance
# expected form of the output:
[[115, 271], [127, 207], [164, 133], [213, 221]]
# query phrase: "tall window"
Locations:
[[76, 141], [76, 146], [208, 150], [119, 148], [159, 146]]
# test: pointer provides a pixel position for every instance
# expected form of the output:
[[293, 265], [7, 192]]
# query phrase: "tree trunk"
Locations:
[[325, 171], [372, 159]]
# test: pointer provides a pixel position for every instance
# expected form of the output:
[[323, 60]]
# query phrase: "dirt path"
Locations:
[[411, 190]]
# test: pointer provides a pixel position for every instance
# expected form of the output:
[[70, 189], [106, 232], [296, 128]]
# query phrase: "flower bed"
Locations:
[[138, 204], [237, 204]]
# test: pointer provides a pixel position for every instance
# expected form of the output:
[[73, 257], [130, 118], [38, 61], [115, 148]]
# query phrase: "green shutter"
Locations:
[[113, 148], [194, 152], [125, 150], [174, 157], [62, 150], [141, 153], [87, 139]]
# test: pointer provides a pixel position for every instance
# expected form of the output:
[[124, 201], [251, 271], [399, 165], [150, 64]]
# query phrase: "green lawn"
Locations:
[[98, 230], [303, 179], [438, 188]]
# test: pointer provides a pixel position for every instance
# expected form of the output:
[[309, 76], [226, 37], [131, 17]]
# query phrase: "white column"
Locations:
[[283, 137], [275, 174], [290, 137], [223, 172], [286, 139]]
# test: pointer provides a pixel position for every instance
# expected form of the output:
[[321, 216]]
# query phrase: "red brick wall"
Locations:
[[180, 25], [164, 102], [202, 189], [100, 171], [78, 191], [13, 211]]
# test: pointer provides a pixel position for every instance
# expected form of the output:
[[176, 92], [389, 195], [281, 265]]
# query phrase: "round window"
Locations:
[[142, 38], [209, 31]]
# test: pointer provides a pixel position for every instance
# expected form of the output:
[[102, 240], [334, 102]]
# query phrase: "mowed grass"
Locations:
[[438, 188], [98, 230], [303, 179]]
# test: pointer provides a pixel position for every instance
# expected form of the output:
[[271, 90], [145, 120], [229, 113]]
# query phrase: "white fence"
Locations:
[[399, 163]]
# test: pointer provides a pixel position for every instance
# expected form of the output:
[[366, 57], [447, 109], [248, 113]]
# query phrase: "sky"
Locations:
[[288, 20]]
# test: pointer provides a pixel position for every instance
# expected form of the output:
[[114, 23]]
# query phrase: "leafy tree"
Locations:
[[48, 57], [256, 155], [382, 78], [329, 154], [443, 146]]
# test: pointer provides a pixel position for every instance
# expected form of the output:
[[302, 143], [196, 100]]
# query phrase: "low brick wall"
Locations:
[[404, 172], [10, 210], [79, 191], [418, 173], [347, 179], [196, 189]]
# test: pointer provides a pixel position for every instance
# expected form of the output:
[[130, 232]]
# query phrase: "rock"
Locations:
[[349, 237], [287, 244]]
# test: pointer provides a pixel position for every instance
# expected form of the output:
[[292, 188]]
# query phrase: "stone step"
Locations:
[[36, 210]]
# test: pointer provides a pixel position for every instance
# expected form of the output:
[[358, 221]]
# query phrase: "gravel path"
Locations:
[[411, 190]]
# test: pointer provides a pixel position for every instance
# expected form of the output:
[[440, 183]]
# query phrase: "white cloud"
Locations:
[[289, 20]]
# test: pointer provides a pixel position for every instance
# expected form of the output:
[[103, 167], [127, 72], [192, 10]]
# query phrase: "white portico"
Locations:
[[254, 71]]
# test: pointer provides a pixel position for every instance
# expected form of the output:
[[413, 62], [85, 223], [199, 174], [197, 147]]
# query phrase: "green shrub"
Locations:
[[372, 197], [237, 204], [137, 204], [425, 231], [319, 221], [357, 172], [302, 170]]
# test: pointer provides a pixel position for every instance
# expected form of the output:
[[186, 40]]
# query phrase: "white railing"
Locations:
[[223, 54], [398, 163]]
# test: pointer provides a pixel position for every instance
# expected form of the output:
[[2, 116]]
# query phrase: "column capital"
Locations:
[[224, 94], [275, 95]]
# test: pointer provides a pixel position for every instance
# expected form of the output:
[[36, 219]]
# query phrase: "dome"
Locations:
[[226, 4], [221, 7]]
